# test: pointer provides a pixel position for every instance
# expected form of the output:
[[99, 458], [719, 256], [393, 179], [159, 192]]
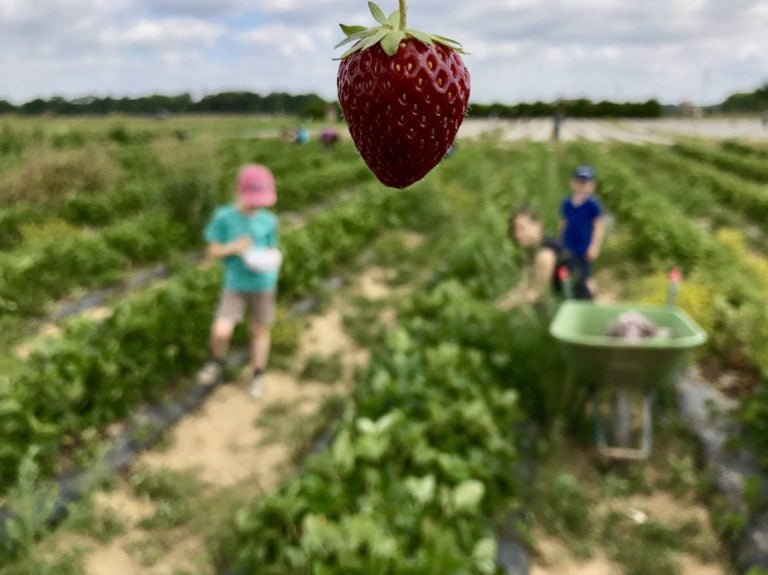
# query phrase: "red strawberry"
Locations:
[[404, 95]]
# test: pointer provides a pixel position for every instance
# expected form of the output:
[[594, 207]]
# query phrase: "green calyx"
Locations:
[[390, 33]]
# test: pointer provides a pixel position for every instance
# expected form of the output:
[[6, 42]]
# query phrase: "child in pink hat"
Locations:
[[243, 235]]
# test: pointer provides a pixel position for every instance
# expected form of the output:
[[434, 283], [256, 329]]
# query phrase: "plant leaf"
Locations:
[[357, 36], [468, 494], [422, 37], [372, 40], [391, 42], [394, 18], [377, 13], [349, 30], [351, 51], [446, 41], [484, 556]]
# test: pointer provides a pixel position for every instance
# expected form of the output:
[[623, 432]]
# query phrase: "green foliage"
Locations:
[[46, 175], [29, 504], [735, 163], [49, 563], [421, 487], [756, 101], [97, 372], [11, 142], [579, 108], [745, 149], [103, 525], [568, 510], [168, 204]]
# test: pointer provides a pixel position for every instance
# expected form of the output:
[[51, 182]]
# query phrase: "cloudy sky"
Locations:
[[673, 50]]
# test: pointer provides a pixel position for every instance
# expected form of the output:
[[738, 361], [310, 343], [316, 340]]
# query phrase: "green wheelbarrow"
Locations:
[[623, 368]]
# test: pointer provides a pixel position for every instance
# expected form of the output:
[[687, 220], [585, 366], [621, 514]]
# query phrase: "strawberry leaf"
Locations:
[[366, 42], [351, 51], [377, 13], [372, 40], [349, 30], [446, 41], [389, 34], [391, 42], [422, 37], [356, 36]]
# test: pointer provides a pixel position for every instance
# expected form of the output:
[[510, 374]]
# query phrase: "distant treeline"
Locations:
[[313, 106], [306, 105], [581, 108], [756, 101]]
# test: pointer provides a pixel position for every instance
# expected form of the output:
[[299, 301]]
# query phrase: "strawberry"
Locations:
[[404, 95]]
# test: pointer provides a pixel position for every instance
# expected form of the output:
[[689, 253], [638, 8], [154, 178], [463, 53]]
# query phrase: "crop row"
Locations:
[[746, 150], [95, 373], [735, 163], [80, 191], [427, 454], [62, 258], [720, 192]]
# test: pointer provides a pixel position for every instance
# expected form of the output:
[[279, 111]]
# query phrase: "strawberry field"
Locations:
[[440, 431]]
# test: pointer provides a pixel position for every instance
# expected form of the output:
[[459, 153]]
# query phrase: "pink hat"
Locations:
[[256, 186]]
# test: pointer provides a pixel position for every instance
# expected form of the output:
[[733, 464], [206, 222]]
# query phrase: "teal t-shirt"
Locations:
[[228, 224]]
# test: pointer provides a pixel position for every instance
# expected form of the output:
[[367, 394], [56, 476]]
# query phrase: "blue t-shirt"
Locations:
[[228, 224], [579, 224]]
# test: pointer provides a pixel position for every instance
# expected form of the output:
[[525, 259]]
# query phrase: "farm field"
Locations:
[[409, 425]]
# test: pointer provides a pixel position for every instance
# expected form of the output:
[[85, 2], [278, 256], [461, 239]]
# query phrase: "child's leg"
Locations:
[[221, 334], [260, 344], [228, 314], [262, 318]]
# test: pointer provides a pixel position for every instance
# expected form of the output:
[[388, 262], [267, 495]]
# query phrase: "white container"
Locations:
[[263, 259]]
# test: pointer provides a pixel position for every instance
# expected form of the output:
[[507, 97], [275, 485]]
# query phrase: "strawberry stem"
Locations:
[[403, 13]]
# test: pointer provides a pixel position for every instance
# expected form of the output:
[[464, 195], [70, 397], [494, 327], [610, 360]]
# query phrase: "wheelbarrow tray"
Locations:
[[605, 360]]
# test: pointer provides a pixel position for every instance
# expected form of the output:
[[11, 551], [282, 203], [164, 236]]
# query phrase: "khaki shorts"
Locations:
[[232, 306]]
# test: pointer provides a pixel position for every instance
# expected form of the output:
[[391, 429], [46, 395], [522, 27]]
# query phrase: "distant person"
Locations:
[[764, 120], [329, 138], [557, 123], [244, 236], [581, 228], [302, 135], [527, 232]]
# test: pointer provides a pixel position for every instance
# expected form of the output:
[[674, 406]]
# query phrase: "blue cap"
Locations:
[[585, 172]]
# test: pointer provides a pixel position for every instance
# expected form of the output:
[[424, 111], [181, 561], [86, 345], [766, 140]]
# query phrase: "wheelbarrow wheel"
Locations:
[[622, 418]]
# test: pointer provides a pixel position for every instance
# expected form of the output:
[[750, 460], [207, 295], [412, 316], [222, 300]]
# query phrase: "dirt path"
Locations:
[[601, 518], [556, 559], [234, 448]]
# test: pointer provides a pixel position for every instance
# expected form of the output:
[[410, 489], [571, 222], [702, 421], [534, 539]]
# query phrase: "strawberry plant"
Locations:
[[96, 373], [736, 163], [404, 94], [421, 462]]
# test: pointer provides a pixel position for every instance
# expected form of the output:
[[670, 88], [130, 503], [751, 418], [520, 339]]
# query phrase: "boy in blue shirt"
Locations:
[[234, 234], [581, 226]]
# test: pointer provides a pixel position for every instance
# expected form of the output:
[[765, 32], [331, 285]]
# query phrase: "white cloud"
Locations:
[[288, 41], [519, 49], [165, 33], [201, 8]]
